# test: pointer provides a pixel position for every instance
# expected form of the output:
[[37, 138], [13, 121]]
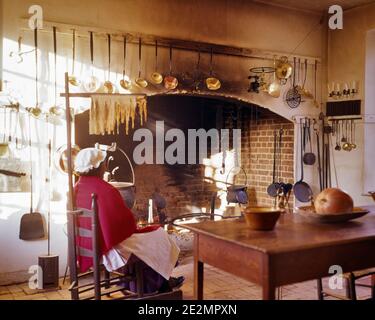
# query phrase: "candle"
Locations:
[[354, 85], [338, 87], [346, 86], [150, 212]]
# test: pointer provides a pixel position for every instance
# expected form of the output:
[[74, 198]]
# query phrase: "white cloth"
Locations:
[[155, 248]]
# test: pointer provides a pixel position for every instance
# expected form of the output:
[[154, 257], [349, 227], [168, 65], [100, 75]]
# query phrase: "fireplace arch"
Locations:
[[189, 188]]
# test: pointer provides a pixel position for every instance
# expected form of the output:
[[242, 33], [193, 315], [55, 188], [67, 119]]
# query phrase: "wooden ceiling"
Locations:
[[316, 6]]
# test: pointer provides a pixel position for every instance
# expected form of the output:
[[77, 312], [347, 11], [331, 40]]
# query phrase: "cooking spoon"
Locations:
[[337, 127], [126, 84], [170, 82], [212, 83], [305, 91], [36, 111], [92, 83], [4, 145], [73, 80], [55, 107], [274, 88], [108, 86], [344, 139], [347, 145], [141, 82], [156, 76], [352, 140]]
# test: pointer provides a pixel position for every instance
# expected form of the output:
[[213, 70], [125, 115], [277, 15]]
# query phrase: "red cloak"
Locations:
[[116, 221]]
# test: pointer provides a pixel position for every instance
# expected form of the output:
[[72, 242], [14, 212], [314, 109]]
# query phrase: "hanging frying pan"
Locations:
[[309, 158], [301, 189], [31, 227], [274, 186]]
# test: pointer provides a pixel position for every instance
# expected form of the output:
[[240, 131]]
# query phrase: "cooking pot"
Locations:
[[237, 193], [126, 189]]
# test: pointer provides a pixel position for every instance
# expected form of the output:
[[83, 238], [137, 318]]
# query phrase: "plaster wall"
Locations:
[[351, 58]]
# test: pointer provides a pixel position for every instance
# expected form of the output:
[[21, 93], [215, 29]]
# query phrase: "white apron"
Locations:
[[154, 248]]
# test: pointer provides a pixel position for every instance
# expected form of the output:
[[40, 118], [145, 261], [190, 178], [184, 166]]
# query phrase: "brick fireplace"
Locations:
[[185, 187]]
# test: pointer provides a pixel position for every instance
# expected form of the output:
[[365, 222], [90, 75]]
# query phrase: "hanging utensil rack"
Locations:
[[149, 40]]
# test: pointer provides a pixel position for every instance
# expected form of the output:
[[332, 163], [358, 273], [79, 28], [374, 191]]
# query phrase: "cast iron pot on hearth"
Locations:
[[237, 193]]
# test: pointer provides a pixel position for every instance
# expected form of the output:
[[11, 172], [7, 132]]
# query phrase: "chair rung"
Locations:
[[72, 286], [112, 281], [337, 296], [126, 294]]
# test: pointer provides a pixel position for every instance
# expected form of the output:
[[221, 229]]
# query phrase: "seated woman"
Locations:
[[121, 242]]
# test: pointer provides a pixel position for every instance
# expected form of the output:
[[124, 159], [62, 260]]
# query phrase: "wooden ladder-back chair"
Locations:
[[350, 279], [99, 287]]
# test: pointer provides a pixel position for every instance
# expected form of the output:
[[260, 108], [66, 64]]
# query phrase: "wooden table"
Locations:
[[294, 251]]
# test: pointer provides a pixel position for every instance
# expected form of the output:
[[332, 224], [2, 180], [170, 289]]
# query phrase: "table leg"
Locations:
[[268, 281], [198, 271], [198, 279], [269, 292]]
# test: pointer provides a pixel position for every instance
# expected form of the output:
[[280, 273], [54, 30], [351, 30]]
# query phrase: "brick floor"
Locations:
[[217, 285]]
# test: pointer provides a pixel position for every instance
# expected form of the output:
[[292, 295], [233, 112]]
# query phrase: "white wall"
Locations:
[[347, 62], [239, 23], [369, 177], [1, 43]]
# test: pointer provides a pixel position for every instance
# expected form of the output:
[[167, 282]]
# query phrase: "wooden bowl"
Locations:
[[261, 218]]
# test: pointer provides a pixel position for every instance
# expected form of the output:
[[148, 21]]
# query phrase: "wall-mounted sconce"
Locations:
[[339, 91]]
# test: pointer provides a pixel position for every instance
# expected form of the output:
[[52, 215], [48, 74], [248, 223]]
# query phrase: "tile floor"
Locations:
[[218, 285]]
